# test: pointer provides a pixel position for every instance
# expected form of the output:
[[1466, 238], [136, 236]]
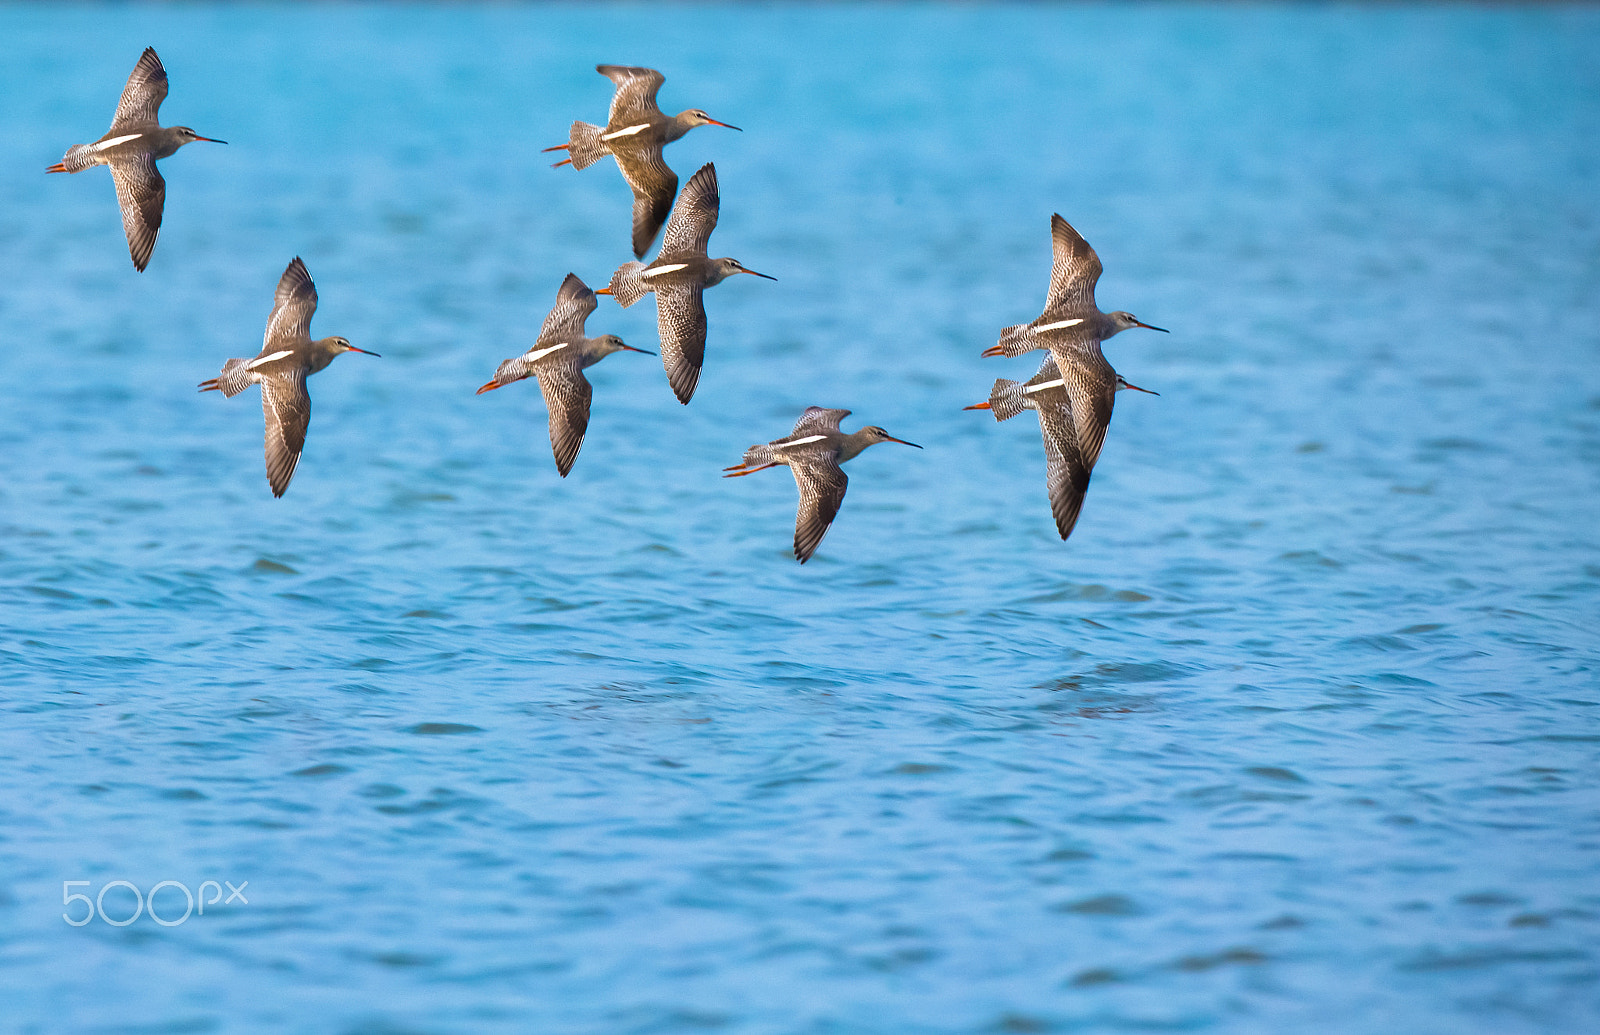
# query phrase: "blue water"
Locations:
[[1297, 733]]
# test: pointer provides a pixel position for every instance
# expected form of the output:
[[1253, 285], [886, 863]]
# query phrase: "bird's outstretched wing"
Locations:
[[816, 419], [694, 216], [1066, 475], [292, 307], [1074, 273], [141, 194], [286, 405], [635, 98], [654, 185], [822, 484], [574, 302], [1091, 386], [681, 319], [142, 97], [567, 395]]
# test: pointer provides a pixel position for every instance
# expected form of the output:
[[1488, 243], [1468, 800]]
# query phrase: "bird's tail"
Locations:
[[755, 458], [1006, 399], [584, 146], [513, 369], [627, 284], [1014, 340], [235, 378], [78, 158]]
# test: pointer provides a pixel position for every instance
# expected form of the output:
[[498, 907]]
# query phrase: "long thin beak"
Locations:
[[977, 406], [209, 140], [491, 386], [753, 273], [364, 352], [1136, 388], [994, 350], [602, 291], [902, 441], [630, 348], [1147, 327], [724, 125]]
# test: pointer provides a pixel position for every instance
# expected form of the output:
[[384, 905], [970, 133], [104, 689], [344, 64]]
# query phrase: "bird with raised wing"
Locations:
[[813, 453], [131, 148], [635, 132], [558, 358], [1071, 318], [288, 356], [679, 274], [1069, 459]]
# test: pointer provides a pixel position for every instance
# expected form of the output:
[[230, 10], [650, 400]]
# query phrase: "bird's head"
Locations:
[[606, 344], [1121, 321], [342, 345], [695, 117], [875, 434], [189, 136], [722, 269]]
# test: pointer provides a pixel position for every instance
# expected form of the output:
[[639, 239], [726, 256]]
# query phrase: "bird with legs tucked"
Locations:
[[634, 133], [1069, 461], [679, 274], [1071, 319], [131, 147], [288, 356], [813, 453], [558, 358]]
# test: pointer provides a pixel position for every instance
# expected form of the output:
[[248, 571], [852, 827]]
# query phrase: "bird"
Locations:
[[131, 147], [678, 275], [558, 358], [288, 356], [1069, 460], [635, 132], [1071, 319], [813, 453]]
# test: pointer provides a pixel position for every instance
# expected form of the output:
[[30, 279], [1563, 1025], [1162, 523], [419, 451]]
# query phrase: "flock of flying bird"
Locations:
[[1072, 393]]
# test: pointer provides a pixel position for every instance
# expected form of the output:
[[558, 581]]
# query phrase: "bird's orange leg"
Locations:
[[740, 474]]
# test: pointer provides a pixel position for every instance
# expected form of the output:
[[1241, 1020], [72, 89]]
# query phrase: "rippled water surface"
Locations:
[[1297, 733]]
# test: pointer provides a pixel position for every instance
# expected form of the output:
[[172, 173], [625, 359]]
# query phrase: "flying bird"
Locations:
[[131, 147], [813, 453], [1071, 319], [1069, 457], [288, 356], [558, 358], [680, 272], [635, 132]]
